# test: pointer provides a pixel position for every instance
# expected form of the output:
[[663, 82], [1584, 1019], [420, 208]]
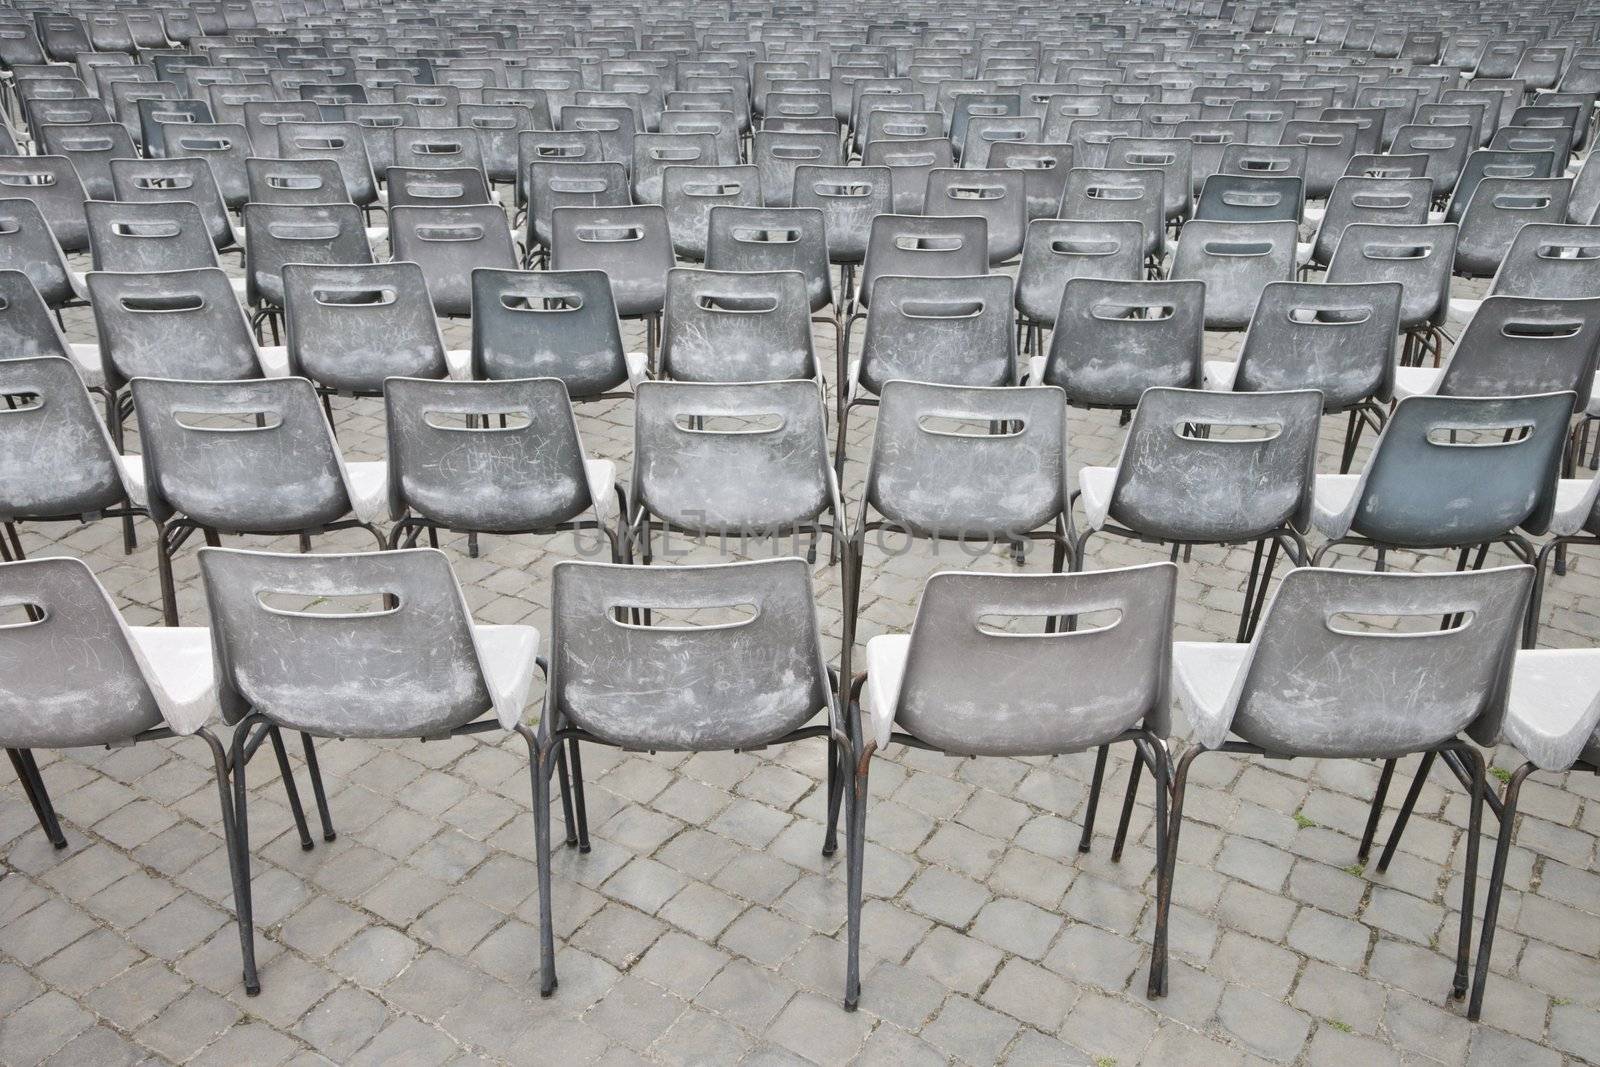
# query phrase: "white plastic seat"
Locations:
[[1554, 705], [1333, 503], [886, 669]]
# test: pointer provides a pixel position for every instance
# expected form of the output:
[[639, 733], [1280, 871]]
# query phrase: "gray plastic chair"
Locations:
[[94, 680], [345, 143], [721, 126], [1243, 198], [778, 155], [295, 181], [952, 331], [59, 463], [429, 148], [452, 467], [770, 239], [1338, 339], [1203, 468], [746, 326], [1044, 166], [920, 246], [1101, 195], [999, 197], [350, 327], [740, 480], [984, 132], [551, 324], [52, 184], [1498, 209], [615, 127], [910, 161], [498, 126], [1375, 201], [28, 330], [1059, 250], [931, 474], [1208, 139], [1420, 258], [242, 457], [849, 199], [962, 685], [410, 186], [1446, 147], [1556, 141], [554, 146], [175, 324], [1550, 260], [148, 236], [653, 153], [156, 112], [222, 145], [1114, 339], [1172, 156], [1091, 138], [1451, 472], [409, 664], [1236, 260], [449, 243], [186, 180], [1262, 161], [1328, 145], [568, 183], [90, 148], [277, 234], [1516, 345], [685, 687], [1315, 683], [688, 194], [1497, 164], [632, 245]]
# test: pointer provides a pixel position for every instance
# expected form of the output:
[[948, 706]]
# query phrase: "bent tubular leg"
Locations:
[[1404, 816], [1159, 946], [1096, 781], [540, 763], [291, 790], [317, 790], [1497, 885], [241, 851], [33, 788], [857, 757], [239, 873], [1469, 881]]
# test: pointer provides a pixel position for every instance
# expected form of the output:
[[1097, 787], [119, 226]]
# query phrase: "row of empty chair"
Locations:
[[1028, 210]]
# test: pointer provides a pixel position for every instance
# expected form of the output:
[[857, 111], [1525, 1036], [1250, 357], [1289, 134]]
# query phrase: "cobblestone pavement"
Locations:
[[706, 927]]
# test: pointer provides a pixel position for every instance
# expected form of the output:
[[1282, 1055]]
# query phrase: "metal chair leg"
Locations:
[[580, 809], [1497, 884], [1469, 881], [1378, 798], [243, 904], [1127, 805], [566, 796], [857, 760], [1159, 946], [540, 766], [290, 788], [1095, 782], [33, 788], [317, 790], [239, 873], [830, 839], [1401, 819]]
